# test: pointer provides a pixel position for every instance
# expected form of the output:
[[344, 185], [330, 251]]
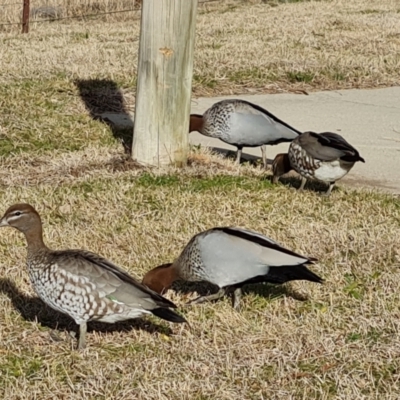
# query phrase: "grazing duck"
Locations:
[[81, 284], [326, 157], [242, 124], [230, 258]]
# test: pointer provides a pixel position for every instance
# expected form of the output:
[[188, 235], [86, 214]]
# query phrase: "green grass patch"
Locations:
[[40, 116], [301, 76]]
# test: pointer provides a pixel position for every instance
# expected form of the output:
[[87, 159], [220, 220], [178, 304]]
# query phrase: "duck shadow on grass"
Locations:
[[246, 158], [266, 290], [295, 182], [34, 309], [103, 96]]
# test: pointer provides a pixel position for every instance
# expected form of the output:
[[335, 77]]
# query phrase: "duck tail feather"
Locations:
[[291, 273], [168, 315]]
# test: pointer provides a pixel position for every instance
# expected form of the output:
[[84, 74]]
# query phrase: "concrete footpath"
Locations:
[[368, 119]]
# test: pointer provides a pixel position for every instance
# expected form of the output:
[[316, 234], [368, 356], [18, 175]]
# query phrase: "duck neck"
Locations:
[[161, 278], [281, 166], [196, 123], [34, 238]]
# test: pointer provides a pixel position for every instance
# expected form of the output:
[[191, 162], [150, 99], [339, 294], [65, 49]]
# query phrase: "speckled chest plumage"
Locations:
[[301, 162], [68, 294], [190, 264], [217, 121]]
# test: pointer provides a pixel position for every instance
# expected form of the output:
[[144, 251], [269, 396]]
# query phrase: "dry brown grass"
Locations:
[[342, 342], [241, 47], [52, 76]]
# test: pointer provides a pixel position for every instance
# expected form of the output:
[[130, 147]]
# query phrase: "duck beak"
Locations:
[[3, 222]]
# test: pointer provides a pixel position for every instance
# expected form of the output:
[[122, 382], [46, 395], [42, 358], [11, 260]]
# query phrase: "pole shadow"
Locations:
[[102, 97]]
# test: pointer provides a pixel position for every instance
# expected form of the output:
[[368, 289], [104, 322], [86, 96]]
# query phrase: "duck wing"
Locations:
[[256, 109], [110, 280], [230, 256], [272, 251], [328, 146], [259, 125]]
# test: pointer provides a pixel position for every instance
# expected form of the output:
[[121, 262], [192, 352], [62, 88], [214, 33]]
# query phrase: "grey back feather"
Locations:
[[233, 255], [108, 278], [326, 146]]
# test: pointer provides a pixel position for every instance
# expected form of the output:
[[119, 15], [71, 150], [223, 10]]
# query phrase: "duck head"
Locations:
[[280, 166], [160, 278], [196, 123], [22, 217]]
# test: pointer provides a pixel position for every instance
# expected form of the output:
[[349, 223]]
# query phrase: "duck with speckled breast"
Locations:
[[242, 124], [230, 258], [326, 157]]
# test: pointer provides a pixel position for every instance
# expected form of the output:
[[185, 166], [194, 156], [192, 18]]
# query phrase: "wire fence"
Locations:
[[30, 11], [27, 12]]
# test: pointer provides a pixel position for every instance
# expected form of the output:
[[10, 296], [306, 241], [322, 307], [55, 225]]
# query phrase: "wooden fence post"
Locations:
[[25, 17], [164, 82]]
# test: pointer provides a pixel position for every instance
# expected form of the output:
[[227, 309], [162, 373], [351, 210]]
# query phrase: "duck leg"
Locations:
[[239, 155], [303, 183], [82, 335], [264, 156], [211, 297], [236, 295], [328, 192]]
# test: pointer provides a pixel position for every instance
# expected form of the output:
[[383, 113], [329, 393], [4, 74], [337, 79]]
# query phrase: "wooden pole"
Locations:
[[164, 82], [25, 17]]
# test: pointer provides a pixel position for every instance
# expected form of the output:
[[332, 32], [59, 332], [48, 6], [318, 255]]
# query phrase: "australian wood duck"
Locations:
[[242, 124], [325, 157], [230, 258], [81, 284]]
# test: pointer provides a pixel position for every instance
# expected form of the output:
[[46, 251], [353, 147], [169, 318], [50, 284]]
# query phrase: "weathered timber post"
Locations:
[[164, 82], [25, 17]]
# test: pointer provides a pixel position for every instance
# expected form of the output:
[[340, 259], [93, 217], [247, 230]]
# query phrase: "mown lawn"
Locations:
[[299, 341]]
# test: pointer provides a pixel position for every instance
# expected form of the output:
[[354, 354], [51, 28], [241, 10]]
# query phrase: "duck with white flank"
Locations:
[[326, 157], [242, 124], [82, 284], [230, 258]]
